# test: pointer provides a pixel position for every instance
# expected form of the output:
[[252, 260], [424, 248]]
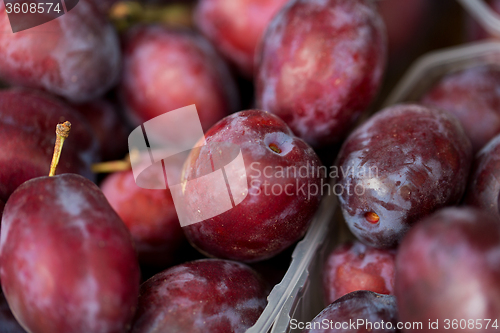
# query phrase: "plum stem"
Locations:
[[62, 132], [126, 14], [111, 166]]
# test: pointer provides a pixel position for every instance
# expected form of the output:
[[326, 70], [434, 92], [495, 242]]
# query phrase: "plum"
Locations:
[[473, 96], [168, 69], [109, 128], [8, 323], [76, 56], [2, 204], [27, 138], [484, 183], [403, 163], [235, 27], [369, 311], [284, 179], [448, 269], [208, 295], [320, 66], [68, 261], [355, 266], [150, 216]]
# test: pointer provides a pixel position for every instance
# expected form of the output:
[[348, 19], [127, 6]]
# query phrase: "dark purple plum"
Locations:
[[166, 69], [27, 138], [370, 311], [280, 202], [1, 208], [203, 296], [235, 27], [355, 266], [473, 96], [484, 184], [76, 56], [448, 268], [8, 323], [150, 216], [320, 66], [403, 163], [68, 261]]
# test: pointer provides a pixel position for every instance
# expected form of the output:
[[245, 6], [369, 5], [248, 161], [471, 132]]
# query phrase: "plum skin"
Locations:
[[236, 27], [76, 56], [150, 216], [355, 266], [448, 267], [409, 160], [255, 230], [320, 65], [473, 96], [68, 261], [363, 304], [27, 122], [208, 295], [166, 69], [484, 183]]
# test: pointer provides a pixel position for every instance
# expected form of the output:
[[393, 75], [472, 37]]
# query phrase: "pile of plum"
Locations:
[[289, 82]]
